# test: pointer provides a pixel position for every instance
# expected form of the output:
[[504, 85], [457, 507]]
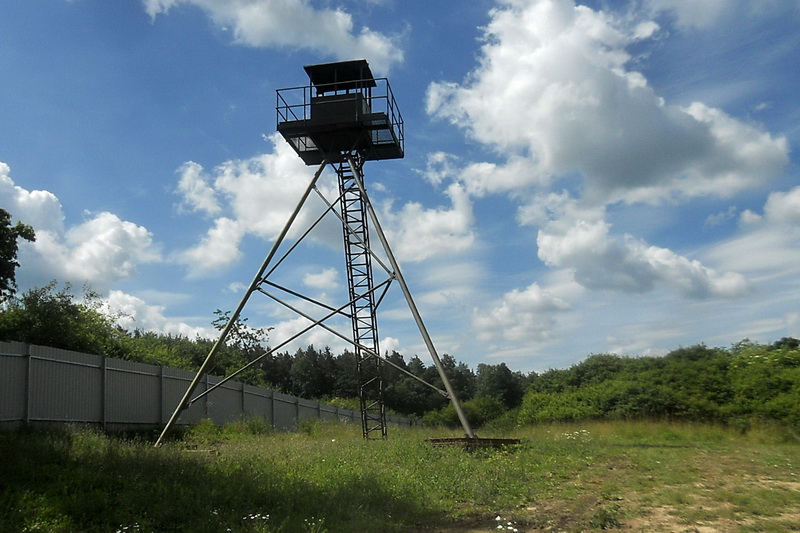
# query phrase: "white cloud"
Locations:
[[135, 313], [39, 209], [784, 207], [294, 24], [440, 166], [100, 251], [326, 279], [197, 194], [601, 262], [264, 190], [769, 244], [257, 196], [555, 90], [217, 250], [260, 194], [416, 233], [527, 315]]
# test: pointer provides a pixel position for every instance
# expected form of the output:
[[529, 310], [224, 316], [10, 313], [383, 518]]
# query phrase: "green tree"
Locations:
[[277, 368], [461, 377], [9, 242], [312, 372], [53, 318], [345, 378], [408, 396], [500, 383], [241, 336]]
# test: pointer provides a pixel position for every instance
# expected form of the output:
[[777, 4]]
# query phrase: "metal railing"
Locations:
[[294, 104]]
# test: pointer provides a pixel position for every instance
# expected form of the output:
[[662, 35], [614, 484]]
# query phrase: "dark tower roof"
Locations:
[[340, 76]]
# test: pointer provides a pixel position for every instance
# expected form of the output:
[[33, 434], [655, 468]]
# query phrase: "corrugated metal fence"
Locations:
[[47, 385]]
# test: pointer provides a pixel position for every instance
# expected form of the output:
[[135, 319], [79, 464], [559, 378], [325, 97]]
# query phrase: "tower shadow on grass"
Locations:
[[81, 480]]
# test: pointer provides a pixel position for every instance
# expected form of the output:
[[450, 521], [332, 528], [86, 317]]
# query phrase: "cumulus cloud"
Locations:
[[294, 24], [601, 262], [327, 279], [417, 233], [250, 196], [555, 89], [197, 194], [39, 209], [217, 250], [134, 313], [257, 196], [264, 190], [528, 315], [784, 207], [100, 251]]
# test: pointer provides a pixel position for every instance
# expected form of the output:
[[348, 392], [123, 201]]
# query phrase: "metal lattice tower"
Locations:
[[342, 118], [358, 260]]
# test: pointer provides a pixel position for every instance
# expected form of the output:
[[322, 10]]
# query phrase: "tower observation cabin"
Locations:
[[343, 109]]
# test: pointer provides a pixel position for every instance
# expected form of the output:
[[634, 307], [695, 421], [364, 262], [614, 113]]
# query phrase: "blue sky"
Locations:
[[580, 177]]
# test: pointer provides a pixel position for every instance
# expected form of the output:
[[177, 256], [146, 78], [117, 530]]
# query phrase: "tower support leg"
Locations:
[[184, 403]]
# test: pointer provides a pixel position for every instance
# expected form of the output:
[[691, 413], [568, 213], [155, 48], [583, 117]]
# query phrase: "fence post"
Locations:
[[161, 395], [243, 412], [28, 372], [272, 408], [103, 393]]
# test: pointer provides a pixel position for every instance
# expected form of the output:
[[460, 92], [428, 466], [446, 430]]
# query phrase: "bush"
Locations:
[[478, 411], [748, 383]]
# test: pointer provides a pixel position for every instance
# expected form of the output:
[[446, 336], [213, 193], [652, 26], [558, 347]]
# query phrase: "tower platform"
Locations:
[[343, 109]]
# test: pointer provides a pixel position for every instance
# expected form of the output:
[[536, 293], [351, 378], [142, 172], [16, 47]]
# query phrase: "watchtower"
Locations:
[[342, 118], [345, 116]]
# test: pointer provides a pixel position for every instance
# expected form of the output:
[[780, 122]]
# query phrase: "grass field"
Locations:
[[635, 476]]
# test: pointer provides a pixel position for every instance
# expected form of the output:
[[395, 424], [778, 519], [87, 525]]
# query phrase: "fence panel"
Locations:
[[13, 386], [307, 409], [174, 385], [258, 402], [133, 394], [285, 412], [328, 412], [64, 386], [225, 403]]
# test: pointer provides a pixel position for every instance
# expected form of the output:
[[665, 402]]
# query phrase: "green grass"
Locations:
[[246, 478]]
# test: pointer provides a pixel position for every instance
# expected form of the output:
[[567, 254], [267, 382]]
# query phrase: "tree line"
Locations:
[[56, 317], [740, 385]]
